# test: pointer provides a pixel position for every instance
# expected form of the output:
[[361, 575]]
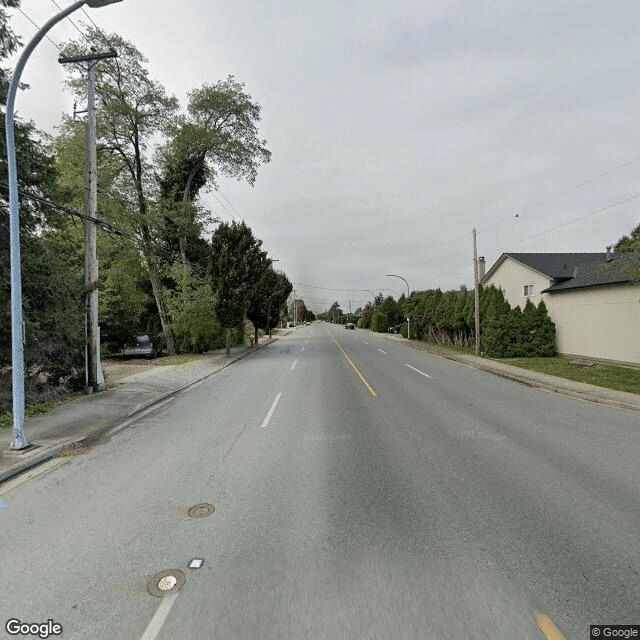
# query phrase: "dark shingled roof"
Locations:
[[575, 270], [557, 265], [600, 272]]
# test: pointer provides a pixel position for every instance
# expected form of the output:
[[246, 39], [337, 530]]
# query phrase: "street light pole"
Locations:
[[17, 338], [393, 275]]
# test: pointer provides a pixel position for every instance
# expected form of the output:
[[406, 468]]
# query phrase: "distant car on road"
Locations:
[[350, 325], [141, 345]]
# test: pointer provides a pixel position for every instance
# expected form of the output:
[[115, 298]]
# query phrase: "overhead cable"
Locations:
[[37, 26], [109, 228]]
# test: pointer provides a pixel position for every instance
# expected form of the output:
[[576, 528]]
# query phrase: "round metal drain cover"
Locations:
[[166, 583], [203, 510]]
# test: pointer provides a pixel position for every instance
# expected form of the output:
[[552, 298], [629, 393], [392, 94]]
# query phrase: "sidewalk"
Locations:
[[129, 398], [552, 384]]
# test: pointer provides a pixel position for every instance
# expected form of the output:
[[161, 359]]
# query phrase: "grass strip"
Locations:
[[609, 376]]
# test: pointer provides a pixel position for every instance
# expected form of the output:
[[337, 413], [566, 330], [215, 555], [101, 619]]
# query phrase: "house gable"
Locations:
[[512, 276]]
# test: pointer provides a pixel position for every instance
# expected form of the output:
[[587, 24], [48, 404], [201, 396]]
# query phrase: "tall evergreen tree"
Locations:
[[237, 266]]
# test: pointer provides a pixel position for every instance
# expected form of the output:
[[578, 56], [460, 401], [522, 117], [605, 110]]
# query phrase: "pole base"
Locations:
[[20, 442]]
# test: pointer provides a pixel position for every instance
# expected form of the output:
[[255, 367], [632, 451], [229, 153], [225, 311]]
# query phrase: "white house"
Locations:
[[589, 296]]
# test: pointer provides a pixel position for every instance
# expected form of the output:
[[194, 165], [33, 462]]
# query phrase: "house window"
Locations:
[[528, 290]]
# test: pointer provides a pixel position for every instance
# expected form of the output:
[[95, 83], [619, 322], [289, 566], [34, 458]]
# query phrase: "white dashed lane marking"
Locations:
[[273, 408], [426, 375], [155, 624]]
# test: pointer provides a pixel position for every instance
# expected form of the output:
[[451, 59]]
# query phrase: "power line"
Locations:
[[233, 216], [72, 22], [582, 217], [109, 228], [311, 286], [562, 193], [90, 19], [547, 200], [227, 199], [37, 26], [541, 233]]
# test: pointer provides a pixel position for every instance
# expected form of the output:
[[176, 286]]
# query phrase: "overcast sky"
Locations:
[[398, 127]]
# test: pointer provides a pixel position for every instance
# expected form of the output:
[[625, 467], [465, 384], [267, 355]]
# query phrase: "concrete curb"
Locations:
[[33, 461], [148, 407], [526, 380]]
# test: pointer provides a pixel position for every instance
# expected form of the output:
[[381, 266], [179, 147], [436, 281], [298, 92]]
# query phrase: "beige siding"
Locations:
[[598, 322], [511, 276]]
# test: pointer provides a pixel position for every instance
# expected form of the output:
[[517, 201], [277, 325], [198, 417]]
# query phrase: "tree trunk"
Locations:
[[186, 202], [228, 343], [149, 254], [156, 286], [183, 254]]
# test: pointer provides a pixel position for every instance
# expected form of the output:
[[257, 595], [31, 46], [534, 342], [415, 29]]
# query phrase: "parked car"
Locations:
[[141, 345], [350, 325], [396, 329]]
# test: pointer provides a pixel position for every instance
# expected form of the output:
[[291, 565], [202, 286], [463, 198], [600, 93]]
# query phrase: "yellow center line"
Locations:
[[548, 628], [370, 389]]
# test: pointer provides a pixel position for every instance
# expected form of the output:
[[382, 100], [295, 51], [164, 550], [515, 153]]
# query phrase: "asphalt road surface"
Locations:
[[361, 490]]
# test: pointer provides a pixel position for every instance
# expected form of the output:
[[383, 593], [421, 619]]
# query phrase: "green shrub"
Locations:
[[519, 334], [194, 321], [379, 322]]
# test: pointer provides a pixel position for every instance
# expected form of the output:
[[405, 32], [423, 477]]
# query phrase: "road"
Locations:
[[361, 490]]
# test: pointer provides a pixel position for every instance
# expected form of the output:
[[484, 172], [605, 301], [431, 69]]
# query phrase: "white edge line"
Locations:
[[381, 351], [426, 375], [273, 408], [294, 364], [155, 624]]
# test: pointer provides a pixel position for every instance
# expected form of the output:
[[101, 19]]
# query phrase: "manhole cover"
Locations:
[[201, 510], [166, 583]]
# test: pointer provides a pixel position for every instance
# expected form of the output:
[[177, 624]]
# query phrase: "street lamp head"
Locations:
[[95, 4]]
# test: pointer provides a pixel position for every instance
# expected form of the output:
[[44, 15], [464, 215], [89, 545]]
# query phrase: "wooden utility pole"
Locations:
[[476, 292], [94, 378]]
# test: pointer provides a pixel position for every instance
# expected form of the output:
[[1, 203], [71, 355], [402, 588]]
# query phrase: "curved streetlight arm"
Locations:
[[17, 346], [393, 275]]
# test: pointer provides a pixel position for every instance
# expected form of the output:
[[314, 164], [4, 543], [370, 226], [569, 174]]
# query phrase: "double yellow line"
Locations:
[[370, 389]]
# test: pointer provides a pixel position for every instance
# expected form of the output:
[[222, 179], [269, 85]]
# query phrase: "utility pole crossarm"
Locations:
[[112, 53]]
